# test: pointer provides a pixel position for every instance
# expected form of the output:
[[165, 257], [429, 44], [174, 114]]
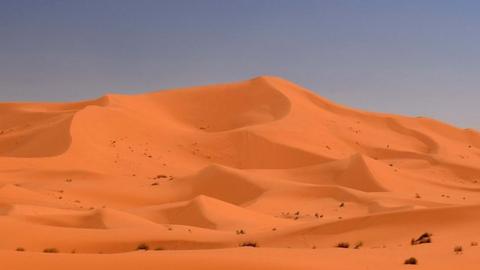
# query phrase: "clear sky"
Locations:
[[409, 57]]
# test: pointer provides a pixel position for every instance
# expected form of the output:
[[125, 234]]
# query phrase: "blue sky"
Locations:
[[407, 57]]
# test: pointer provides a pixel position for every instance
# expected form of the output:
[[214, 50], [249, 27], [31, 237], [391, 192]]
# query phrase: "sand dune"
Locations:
[[197, 174]]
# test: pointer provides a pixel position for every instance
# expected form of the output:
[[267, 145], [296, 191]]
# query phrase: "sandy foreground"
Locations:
[[260, 174]]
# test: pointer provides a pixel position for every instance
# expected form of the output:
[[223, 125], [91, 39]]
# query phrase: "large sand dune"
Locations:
[[193, 174]]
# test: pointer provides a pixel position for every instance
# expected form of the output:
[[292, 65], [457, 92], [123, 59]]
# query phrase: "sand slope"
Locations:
[[196, 173]]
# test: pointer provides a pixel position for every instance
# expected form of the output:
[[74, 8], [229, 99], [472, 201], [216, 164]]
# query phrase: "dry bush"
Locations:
[[411, 260], [422, 239], [343, 245], [142, 246], [249, 244], [358, 245]]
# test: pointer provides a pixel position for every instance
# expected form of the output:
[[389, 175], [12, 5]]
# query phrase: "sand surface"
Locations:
[[201, 175]]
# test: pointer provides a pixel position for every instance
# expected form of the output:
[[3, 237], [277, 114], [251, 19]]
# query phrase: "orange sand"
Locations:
[[197, 172]]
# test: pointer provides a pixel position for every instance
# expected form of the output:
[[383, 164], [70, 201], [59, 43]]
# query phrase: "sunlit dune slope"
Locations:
[[206, 171]]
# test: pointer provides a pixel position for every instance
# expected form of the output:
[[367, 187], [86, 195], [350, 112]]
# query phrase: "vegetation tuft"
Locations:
[[142, 246], [249, 244], [343, 245], [425, 238], [411, 260]]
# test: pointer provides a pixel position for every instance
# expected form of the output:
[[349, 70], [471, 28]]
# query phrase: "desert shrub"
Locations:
[[50, 250], [474, 244], [249, 244], [422, 239], [20, 249], [458, 249], [411, 260], [358, 245], [142, 246], [343, 245]]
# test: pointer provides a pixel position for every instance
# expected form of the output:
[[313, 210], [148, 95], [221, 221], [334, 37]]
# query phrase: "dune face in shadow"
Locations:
[[35, 130], [224, 184], [226, 107], [250, 150], [240, 172], [32, 131]]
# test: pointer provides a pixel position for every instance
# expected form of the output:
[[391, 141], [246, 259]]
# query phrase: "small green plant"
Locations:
[[50, 250], [411, 260], [142, 246], [343, 245]]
